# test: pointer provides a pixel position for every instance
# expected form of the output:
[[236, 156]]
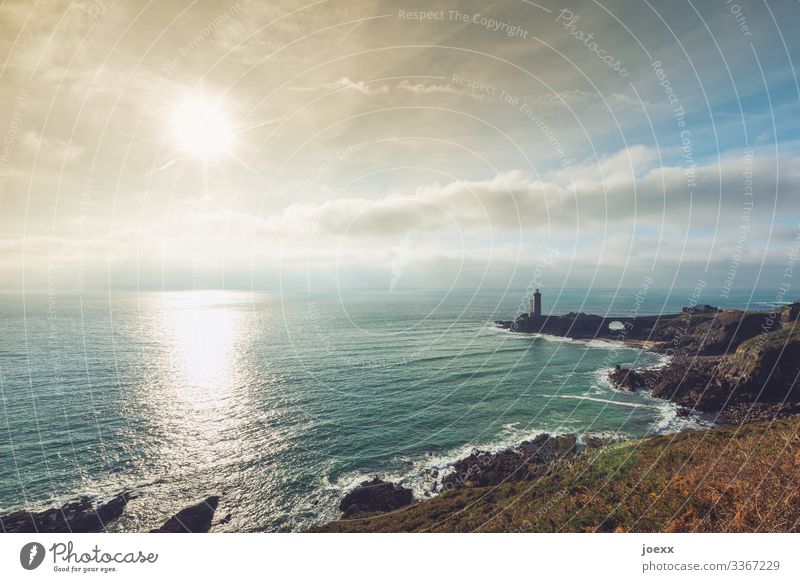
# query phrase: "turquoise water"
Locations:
[[280, 402]]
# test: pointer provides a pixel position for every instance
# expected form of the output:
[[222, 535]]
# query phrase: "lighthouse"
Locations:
[[535, 309]]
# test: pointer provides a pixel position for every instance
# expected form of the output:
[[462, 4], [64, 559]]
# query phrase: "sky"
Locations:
[[398, 145]]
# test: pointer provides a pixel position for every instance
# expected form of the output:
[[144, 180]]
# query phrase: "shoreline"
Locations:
[[719, 360], [646, 345], [637, 485], [719, 364], [695, 378], [447, 466]]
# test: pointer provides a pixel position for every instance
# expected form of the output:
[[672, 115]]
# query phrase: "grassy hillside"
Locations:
[[733, 479]]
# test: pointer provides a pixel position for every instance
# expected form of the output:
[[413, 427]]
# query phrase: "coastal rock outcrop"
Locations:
[[193, 519], [705, 333], [766, 367], [375, 496], [700, 332], [627, 379], [546, 448], [530, 460], [758, 380], [82, 515]]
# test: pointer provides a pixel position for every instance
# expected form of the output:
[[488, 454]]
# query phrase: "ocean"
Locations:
[[281, 402]]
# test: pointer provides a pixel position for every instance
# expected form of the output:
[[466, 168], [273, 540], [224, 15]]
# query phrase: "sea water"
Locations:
[[281, 402]]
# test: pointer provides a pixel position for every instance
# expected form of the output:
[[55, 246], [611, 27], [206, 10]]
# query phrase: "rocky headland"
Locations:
[[738, 366], [734, 366]]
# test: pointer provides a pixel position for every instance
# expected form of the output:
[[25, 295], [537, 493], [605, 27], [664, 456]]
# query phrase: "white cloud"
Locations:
[[627, 187]]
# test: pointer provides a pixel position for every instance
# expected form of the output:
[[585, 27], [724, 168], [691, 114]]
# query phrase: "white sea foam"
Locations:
[[555, 338], [669, 421], [601, 378], [606, 344], [661, 361], [493, 327], [425, 475], [422, 474], [603, 400], [426, 472]]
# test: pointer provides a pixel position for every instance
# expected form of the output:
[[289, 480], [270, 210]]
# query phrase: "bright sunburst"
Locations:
[[202, 129]]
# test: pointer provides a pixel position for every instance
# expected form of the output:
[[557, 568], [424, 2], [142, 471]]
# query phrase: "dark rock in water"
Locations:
[[228, 516], [627, 379], [530, 460], [376, 496], [193, 519], [683, 412], [78, 516]]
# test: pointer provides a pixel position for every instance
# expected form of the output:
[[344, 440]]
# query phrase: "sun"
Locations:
[[201, 128]]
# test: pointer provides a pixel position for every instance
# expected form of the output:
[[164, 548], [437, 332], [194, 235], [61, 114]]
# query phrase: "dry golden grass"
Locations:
[[732, 479]]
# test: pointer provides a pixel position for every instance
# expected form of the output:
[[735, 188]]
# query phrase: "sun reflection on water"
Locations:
[[201, 383], [204, 329]]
